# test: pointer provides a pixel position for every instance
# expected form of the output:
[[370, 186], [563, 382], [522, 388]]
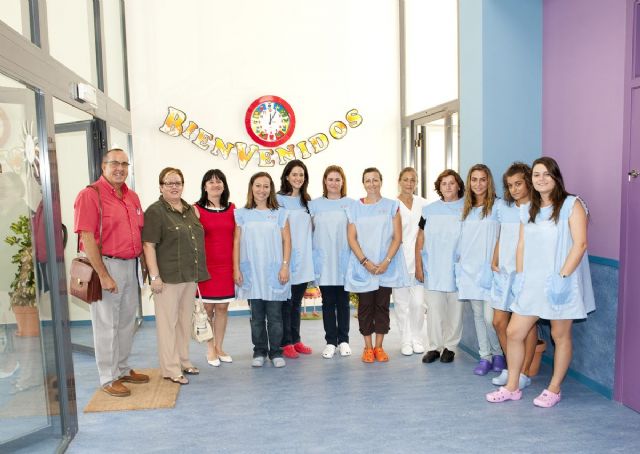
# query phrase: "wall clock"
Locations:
[[270, 121]]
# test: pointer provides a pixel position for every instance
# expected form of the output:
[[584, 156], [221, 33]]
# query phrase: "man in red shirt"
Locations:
[[112, 242]]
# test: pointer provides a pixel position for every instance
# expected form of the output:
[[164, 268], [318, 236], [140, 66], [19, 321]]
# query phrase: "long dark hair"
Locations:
[[470, 197], [514, 169], [557, 196], [204, 198], [272, 203], [287, 189]]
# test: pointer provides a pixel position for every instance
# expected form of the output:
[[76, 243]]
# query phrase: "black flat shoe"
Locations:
[[431, 356], [447, 356]]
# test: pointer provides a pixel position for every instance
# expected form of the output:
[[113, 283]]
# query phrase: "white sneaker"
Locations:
[[329, 351], [406, 350], [278, 362], [258, 361], [501, 379], [418, 348], [345, 350]]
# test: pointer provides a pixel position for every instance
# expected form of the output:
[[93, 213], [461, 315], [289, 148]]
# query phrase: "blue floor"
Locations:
[[345, 406]]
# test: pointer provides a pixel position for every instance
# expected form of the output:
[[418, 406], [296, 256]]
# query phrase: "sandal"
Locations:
[[180, 379], [547, 399], [191, 371], [368, 356], [503, 394], [380, 355]]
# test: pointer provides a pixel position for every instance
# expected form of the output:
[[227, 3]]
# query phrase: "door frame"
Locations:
[[625, 299]]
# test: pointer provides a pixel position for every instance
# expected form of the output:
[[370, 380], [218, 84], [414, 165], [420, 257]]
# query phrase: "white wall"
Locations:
[[211, 59]]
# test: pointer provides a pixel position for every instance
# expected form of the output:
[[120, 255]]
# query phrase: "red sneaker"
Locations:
[[289, 351], [301, 348]]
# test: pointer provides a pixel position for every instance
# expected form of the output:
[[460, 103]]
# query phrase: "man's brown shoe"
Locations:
[[116, 389], [135, 378]]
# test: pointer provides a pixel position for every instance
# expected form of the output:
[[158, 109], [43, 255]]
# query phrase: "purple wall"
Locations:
[[582, 107]]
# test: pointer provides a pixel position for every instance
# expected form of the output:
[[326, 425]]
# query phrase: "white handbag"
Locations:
[[201, 330]]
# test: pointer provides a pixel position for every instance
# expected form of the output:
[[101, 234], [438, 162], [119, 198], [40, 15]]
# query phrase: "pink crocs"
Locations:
[[547, 399], [503, 394]]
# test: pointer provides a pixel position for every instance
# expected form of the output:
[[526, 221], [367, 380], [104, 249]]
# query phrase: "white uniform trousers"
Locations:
[[487, 338], [113, 319], [444, 320], [409, 307]]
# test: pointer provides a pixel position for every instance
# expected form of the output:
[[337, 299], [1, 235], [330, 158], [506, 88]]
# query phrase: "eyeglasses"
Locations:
[[172, 184], [124, 164]]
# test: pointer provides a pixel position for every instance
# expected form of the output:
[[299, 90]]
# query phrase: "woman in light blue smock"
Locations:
[[517, 189], [330, 255], [261, 254], [553, 281], [294, 198], [480, 228], [436, 245], [376, 264]]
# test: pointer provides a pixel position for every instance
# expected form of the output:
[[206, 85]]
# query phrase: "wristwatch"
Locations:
[[153, 278], [563, 275]]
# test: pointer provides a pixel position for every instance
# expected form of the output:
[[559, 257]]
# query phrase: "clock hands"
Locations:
[[271, 117]]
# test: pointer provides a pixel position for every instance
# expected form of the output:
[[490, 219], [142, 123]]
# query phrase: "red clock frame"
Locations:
[[260, 140]]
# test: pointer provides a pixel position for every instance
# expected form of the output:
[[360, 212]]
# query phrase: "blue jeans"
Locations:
[[291, 315], [335, 300], [266, 327]]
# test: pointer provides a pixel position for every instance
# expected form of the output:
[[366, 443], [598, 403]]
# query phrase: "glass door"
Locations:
[[30, 409], [76, 134], [435, 148]]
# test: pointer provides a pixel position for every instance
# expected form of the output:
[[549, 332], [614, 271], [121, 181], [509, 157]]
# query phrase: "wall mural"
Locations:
[[270, 121]]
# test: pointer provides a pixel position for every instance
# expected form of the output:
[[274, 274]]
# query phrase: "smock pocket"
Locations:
[[245, 269], [485, 276], [498, 286], [278, 288], [558, 289], [516, 286], [360, 276], [318, 262]]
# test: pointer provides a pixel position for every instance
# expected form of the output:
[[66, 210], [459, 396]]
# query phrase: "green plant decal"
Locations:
[[23, 286]]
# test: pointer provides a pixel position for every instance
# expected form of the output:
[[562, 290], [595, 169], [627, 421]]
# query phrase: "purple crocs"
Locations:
[[483, 367], [499, 363]]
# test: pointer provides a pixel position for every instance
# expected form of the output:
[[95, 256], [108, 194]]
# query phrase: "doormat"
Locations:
[[158, 393]]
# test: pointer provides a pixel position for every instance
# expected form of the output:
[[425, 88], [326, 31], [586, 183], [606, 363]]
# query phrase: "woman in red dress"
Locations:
[[216, 216]]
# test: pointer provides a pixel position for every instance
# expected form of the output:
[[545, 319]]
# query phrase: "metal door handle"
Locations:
[[633, 174]]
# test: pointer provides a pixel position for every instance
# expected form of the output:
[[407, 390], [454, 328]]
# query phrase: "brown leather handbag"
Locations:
[[84, 282]]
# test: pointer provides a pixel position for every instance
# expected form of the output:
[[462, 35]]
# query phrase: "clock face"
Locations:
[[270, 121]]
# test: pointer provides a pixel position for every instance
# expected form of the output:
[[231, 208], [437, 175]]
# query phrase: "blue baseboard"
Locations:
[[581, 378], [604, 261], [588, 382]]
